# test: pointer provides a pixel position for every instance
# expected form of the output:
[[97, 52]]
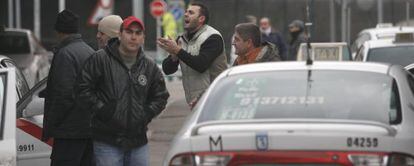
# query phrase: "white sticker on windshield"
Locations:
[[238, 113]]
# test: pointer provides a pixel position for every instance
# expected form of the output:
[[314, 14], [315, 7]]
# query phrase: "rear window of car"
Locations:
[[320, 94], [402, 55], [14, 43]]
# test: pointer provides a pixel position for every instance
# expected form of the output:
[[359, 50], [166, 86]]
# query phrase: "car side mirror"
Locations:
[[35, 107]]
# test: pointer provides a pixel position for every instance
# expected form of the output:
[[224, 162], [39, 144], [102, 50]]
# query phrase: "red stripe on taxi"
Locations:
[[32, 129]]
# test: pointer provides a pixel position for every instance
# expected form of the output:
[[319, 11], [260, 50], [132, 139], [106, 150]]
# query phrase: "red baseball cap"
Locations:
[[131, 19]]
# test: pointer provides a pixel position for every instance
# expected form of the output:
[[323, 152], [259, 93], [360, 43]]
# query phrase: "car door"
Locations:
[[30, 148], [7, 117], [28, 120]]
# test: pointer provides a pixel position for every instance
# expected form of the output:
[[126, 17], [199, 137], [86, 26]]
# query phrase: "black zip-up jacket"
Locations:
[[63, 118], [123, 101]]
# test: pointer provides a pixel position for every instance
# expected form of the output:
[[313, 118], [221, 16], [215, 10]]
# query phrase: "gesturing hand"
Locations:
[[169, 45]]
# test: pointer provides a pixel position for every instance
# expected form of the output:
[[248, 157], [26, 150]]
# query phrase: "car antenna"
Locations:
[[308, 25], [309, 60]]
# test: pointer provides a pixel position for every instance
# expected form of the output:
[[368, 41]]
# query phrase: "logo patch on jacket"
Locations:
[[142, 80]]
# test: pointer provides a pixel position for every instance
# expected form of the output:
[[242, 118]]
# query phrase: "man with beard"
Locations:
[[271, 35], [199, 51]]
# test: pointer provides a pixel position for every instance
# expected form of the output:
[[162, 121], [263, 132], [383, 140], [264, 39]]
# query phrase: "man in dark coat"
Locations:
[[125, 90], [271, 35], [297, 34], [63, 119]]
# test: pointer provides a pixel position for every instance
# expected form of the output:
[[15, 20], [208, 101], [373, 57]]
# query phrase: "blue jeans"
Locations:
[[109, 155]]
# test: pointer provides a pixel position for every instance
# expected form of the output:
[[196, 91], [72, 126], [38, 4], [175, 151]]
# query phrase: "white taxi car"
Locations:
[[399, 50], [290, 113], [325, 52], [7, 117], [27, 121], [28, 53], [380, 32]]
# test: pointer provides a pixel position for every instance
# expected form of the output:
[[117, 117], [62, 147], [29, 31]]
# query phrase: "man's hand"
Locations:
[[169, 45]]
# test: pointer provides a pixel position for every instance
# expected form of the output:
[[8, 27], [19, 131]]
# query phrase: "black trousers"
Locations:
[[72, 152]]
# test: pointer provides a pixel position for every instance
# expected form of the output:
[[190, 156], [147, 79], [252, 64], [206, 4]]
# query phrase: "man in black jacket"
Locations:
[[125, 90], [63, 119], [297, 33]]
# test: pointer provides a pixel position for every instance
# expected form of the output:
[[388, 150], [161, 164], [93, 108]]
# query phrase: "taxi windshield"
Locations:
[[347, 95], [402, 55]]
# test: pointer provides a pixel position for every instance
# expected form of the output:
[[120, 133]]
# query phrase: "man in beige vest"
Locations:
[[199, 51]]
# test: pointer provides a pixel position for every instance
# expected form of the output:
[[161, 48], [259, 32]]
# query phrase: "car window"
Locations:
[[14, 43], [33, 103], [2, 100], [38, 48], [351, 95], [21, 83], [410, 82], [359, 41], [360, 55], [402, 55], [346, 54]]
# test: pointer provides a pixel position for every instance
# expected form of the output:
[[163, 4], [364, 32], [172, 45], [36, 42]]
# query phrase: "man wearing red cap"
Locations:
[[124, 89]]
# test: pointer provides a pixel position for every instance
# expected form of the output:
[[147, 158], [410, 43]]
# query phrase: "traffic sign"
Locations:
[[158, 8]]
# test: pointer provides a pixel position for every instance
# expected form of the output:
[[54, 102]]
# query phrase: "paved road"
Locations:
[[163, 128]]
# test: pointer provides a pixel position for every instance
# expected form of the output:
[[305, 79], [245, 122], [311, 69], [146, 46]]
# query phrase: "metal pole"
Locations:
[[18, 14], [380, 11], [159, 23], [62, 5], [308, 22], [36, 21], [407, 12], [138, 9], [11, 13], [343, 20], [332, 20], [348, 29]]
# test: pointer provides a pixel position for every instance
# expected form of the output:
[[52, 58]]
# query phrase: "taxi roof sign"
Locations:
[[404, 38], [384, 25]]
